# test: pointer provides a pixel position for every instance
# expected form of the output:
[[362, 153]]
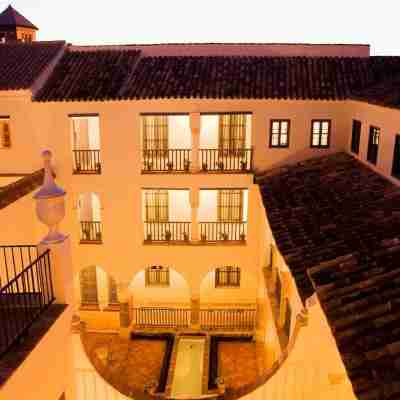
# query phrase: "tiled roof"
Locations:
[[12, 18], [337, 224], [327, 207], [22, 63], [328, 78], [360, 296], [14, 191], [386, 93], [89, 75]]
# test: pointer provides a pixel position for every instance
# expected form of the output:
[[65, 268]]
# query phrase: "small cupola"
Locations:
[[14, 27]]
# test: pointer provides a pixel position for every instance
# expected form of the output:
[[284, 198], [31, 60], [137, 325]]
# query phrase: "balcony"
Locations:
[[86, 162], [91, 232], [171, 160], [24, 295], [225, 160], [167, 231], [223, 231]]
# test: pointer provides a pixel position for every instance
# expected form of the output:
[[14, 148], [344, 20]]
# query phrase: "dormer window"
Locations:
[[5, 134]]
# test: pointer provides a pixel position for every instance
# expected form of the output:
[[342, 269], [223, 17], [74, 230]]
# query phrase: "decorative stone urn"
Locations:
[[50, 202]]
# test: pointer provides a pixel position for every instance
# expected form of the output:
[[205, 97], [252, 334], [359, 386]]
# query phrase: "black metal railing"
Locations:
[[161, 317], [91, 232], [87, 161], [237, 160], [171, 160], [23, 299], [223, 231], [167, 231], [14, 259], [228, 319]]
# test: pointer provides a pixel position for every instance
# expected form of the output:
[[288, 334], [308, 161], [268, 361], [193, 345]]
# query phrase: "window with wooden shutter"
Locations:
[[5, 133], [227, 276], [320, 133], [230, 205], [232, 132], [279, 135], [155, 132], [355, 136], [88, 283], [157, 275], [112, 291], [156, 206], [396, 158], [373, 144]]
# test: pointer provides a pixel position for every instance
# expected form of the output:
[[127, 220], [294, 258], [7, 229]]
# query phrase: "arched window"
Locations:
[[88, 285]]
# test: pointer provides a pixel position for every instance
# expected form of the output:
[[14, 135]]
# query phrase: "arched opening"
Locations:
[[160, 298], [89, 215], [96, 296], [228, 299]]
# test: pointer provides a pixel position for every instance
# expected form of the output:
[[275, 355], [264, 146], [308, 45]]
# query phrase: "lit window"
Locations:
[[227, 277], [157, 275], [279, 135], [5, 139], [320, 133]]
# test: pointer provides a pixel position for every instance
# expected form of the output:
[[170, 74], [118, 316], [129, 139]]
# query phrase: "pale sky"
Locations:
[[161, 21]]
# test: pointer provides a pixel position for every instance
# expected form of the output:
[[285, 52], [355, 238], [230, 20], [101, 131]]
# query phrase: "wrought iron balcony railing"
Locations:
[[91, 232], [87, 161], [226, 160], [23, 299], [161, 317], [171, 160], [228, 319], [223, 231], [167, 231]]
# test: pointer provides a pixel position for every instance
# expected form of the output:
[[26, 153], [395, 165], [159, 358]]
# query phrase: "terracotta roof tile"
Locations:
[[89, 75], [22, 63], [337, 224], [330, 78]]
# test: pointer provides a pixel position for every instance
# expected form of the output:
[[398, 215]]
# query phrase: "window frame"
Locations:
[[319, 145], [356, 136], [279, 146], [396, 152], [230, 282], [371, 138], [157, 271]]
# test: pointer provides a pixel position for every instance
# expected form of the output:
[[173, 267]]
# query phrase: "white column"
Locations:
[[195, 129], [194, 204]]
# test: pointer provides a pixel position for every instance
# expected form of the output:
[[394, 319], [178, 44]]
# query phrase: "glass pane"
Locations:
[[315, 140], [284, 127], [284, 139], [275, 141], [324, 139], [316, 126], [275, 126], [325, 127]]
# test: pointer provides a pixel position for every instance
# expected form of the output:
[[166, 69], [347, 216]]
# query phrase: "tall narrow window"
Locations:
[[88, 283], [157, 275], [230, 205], [232, 132], [5, 135], [227, 277], [155, 132], [112, 291], [355, 136], [320, 133], [279, 135], [396, 158], [156, 206], [373, 144]]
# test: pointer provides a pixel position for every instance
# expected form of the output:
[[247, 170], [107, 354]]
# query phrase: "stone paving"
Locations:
[[241, 363], [128, 365]]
